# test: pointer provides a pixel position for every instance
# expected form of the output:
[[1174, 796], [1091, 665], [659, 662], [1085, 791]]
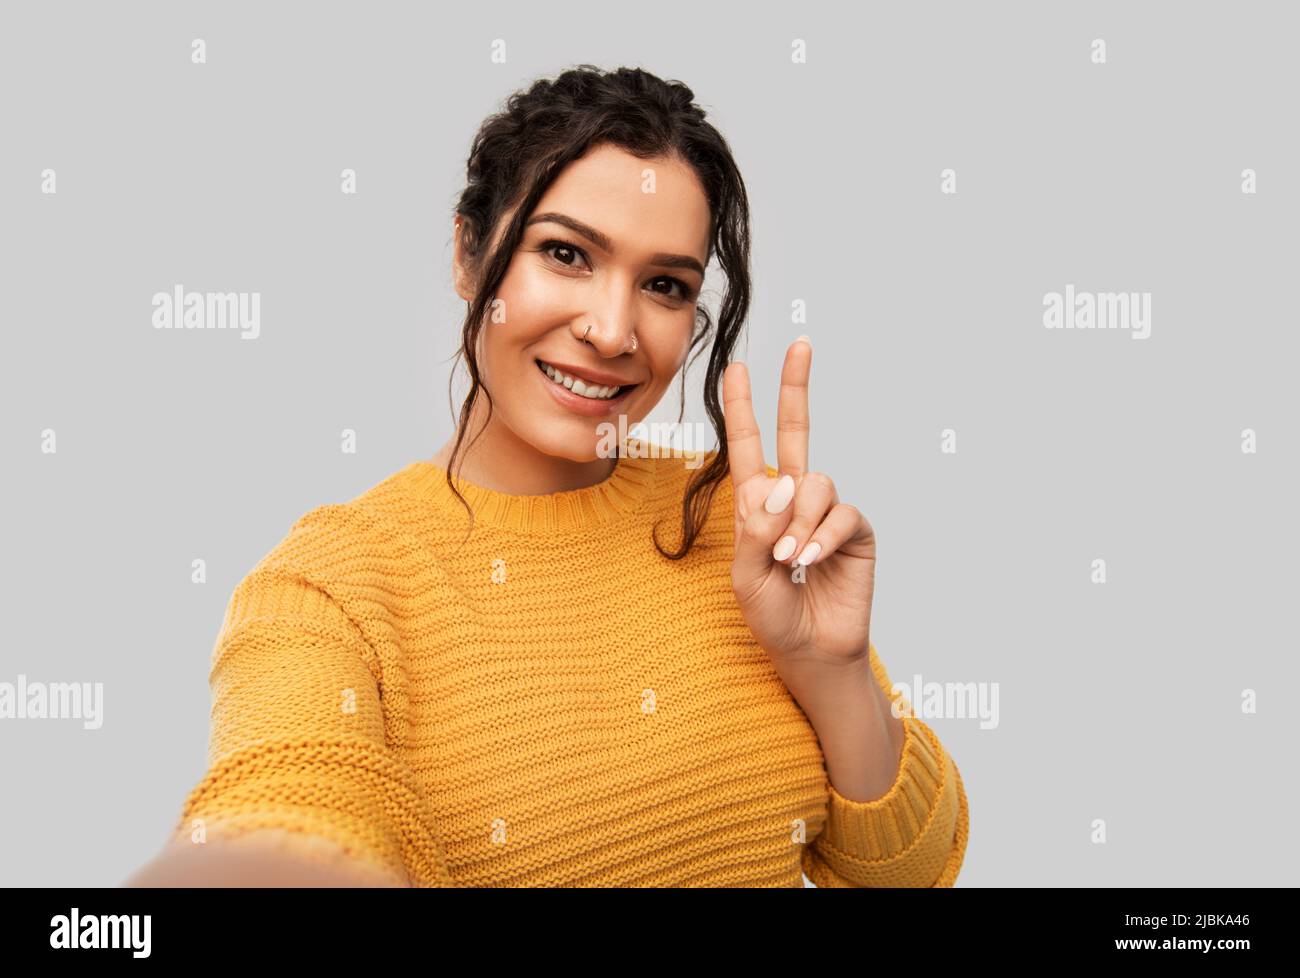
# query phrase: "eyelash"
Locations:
[[687, 293]]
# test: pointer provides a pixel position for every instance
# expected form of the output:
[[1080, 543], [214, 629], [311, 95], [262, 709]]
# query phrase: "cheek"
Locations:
[[533, 303], [668, 366]]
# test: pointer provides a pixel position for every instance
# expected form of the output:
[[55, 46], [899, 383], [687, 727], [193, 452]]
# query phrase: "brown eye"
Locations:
[[684, 292], [567, 254], [562, 252]]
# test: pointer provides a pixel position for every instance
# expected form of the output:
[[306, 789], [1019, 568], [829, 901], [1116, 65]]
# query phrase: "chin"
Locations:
[[573, 449]]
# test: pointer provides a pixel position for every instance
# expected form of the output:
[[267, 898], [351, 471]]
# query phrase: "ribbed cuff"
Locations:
[[905, 837], [888, 825], [353, 795]]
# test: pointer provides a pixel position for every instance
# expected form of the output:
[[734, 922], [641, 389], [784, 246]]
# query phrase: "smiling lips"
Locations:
[[589, 384]]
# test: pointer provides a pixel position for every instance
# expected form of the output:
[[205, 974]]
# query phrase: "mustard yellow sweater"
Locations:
[[551, 704]]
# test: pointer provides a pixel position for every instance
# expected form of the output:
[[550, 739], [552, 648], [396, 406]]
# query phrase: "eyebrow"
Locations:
[[602, 241]]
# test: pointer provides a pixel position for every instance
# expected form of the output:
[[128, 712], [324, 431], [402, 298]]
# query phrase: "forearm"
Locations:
[[253, 863], [861, 739]]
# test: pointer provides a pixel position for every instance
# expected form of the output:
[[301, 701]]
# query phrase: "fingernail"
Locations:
[[779, 498], [805, 338], [784, 547], [809, 554]]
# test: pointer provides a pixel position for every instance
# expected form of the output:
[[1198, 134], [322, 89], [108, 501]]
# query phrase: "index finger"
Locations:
[[792, 411], [744, 445]]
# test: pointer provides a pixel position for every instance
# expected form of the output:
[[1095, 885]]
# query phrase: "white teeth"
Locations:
[[577, 386]]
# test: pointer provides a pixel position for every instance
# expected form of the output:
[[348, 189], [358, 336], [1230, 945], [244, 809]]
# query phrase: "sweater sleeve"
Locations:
[[297, 743], [913, 835]]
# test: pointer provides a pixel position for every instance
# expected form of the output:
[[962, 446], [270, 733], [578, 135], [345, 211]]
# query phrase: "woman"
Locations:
[[502, 676]]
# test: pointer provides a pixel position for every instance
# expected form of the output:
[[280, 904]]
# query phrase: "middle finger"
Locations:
[[792, 411]]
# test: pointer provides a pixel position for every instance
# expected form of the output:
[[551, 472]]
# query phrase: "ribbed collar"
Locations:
[[620, 494]]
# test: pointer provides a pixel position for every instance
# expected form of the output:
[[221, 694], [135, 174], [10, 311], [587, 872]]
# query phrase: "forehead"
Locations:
[[650, 205]]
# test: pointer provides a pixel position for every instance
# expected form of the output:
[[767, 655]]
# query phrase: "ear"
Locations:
[[461, 276]]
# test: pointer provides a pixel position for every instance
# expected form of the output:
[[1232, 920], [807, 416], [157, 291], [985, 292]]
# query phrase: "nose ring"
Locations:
[[634, 339]]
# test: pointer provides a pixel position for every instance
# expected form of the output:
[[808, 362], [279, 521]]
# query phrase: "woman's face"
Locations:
[[616, 243]]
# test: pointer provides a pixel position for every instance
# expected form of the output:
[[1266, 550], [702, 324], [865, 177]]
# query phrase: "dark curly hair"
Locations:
[[519, 151]]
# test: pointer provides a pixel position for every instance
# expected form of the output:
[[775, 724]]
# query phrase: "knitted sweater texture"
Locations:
[[545, 702]]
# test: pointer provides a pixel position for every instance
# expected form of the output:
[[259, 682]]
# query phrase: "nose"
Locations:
[[609, 328], [608, 342]]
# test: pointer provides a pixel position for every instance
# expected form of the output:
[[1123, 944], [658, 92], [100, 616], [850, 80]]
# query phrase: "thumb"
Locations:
[[757, 534]]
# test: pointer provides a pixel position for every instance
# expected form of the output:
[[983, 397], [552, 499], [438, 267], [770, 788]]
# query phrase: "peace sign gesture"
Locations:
[[805, 563]]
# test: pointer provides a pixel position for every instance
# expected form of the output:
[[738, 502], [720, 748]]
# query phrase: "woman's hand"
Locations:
[[805, 617]]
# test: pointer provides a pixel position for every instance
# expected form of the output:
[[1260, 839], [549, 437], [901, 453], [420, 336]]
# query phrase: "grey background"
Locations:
[[1118, 702]]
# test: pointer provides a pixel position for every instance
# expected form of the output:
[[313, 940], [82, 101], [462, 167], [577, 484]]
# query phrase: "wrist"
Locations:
[[861, 740], [830, 689]]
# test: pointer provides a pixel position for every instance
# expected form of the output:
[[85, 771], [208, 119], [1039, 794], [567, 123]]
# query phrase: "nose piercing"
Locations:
[[634, 339]]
